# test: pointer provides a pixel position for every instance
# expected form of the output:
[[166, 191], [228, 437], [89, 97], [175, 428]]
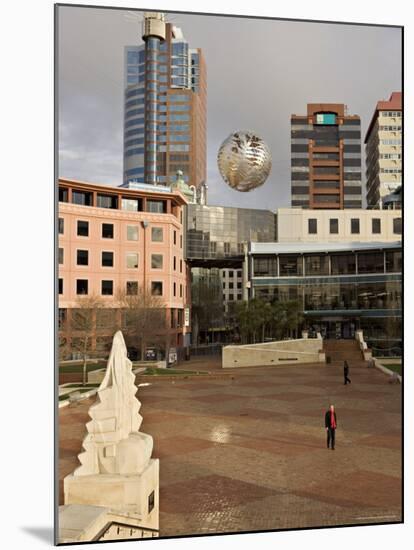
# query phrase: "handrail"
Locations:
[[127, 526]]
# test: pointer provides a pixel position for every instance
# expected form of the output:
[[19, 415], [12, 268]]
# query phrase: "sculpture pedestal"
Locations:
[[135, 494]]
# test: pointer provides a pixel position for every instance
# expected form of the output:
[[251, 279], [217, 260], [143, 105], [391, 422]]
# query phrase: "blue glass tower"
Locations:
[[165, 107]]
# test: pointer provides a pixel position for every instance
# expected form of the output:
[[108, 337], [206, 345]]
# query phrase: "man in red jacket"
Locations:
[[330, 425]]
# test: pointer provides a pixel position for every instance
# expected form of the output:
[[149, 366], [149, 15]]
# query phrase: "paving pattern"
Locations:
[[248, 452]]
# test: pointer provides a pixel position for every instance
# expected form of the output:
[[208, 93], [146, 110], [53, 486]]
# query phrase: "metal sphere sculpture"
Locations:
[[244, 160]]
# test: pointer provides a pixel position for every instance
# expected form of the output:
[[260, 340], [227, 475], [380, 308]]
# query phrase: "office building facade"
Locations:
[[216, 241], [342, 287], [326, 158], [164, 107], [383, 150], [217, 233], [341, 226], [115, 241]]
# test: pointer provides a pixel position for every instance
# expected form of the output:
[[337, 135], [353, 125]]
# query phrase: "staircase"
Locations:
[[338, 351]]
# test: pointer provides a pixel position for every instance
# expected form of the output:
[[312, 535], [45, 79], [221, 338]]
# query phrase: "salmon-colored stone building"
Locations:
[[115, 240]]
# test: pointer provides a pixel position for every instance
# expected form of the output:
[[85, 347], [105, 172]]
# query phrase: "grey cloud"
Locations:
[[259, 73]]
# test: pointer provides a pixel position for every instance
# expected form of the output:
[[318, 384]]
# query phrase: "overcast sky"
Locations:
[[259, 72]]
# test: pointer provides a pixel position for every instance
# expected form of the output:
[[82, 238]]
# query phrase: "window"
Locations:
[[156, 261], [107, 230], [173, 318], [174, 289], [355, 226], [107, 259], [290, 264], [343, 264], [130, 204], [63, 194], [175, 237], [132, 288], [82, 257], [376, 225], [312, 226], [60, 286], [174, 263], [61, 226], [180, 317], [178, 97], [397, 226], [83, 228], [181, 291], [181, 241], [181, 266], [82, 197], [333, 226], [132, 260], [60, 255], [107, 288], [316, 264], [370, 262], [132, 232], [107, 201], [185, 107], [265, 267], [393, 261], [239, 273], [81, 286], [157, 234], [156, 288], [159, 207], [239, 285]]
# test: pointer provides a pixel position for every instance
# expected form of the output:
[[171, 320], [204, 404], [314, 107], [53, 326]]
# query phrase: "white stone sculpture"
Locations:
[[117, 471], [114, 444]]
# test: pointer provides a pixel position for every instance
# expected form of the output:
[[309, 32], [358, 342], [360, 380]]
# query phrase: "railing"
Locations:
[[130, 532]]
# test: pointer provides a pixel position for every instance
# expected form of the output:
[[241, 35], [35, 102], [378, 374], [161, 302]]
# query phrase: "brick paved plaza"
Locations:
[[247, 451]]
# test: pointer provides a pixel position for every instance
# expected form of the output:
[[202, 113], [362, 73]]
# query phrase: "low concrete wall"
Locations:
[[96, 376], [283, 352], [380, 366]]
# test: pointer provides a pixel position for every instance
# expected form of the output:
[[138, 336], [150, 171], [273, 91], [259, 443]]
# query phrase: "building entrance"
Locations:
[[338, 329]]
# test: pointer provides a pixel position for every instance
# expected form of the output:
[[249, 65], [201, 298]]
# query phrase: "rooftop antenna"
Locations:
[[138, 17]]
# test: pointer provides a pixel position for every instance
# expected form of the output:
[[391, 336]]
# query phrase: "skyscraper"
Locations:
[[326, 158], [383, 149], [165, 107]]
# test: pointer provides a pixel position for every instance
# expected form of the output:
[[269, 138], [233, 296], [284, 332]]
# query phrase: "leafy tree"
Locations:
[[258, 318]]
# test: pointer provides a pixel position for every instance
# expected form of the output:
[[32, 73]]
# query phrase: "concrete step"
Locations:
[[344, 355], [352, 364], [340, 345]]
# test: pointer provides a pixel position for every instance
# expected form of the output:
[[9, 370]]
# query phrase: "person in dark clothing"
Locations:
[[347, 380], [330, 425]]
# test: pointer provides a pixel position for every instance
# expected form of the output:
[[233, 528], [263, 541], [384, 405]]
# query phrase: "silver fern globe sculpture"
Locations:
[[244, 160]]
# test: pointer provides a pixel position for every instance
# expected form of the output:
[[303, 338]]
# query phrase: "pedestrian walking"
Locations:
[[330, 425], [347, 380]]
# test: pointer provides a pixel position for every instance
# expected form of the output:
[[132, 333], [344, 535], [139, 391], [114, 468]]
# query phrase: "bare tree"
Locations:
[[78, 333], [144, 319]]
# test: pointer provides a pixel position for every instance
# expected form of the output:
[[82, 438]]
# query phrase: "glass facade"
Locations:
[[220, 231], [159, 80], [339, 291]]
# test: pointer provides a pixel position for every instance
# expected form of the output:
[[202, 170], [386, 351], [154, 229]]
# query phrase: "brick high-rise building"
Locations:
[[383, 149], [165, 107], [326, 158]]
